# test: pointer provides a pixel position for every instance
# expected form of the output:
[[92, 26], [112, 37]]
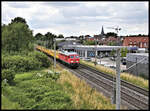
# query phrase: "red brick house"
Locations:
[[104, 41], [141, 42]]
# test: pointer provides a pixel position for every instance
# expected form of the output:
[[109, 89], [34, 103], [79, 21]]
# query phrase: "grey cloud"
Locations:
[[83, 10], [125, 13], [18, 5], [129, 13], [49, 22], [72, 14], [61, 4]]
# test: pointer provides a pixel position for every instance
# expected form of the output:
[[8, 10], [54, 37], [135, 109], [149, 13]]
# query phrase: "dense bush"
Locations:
[[37, 93], [41, 57], [20, 63], [8, 74]]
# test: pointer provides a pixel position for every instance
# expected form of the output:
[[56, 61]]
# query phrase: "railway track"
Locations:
[[128, 95], [124, 83], [132, 96]]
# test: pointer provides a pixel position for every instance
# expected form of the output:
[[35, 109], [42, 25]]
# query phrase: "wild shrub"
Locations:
[[38, 93], [40, 57], [8, 105], [8, 75], [53, 76], [20, 63]]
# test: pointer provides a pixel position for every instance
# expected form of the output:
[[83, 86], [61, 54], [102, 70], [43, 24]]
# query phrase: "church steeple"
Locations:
[[102, 32]]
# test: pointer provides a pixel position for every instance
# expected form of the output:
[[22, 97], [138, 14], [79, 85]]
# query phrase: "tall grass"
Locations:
[[82, 94], [139, 81], [35, 90], [8, 105]]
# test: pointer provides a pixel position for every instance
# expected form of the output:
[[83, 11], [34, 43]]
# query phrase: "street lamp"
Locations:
[[95, 51]]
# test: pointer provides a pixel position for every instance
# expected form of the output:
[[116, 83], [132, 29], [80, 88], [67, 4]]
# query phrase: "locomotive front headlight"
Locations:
[[71, 61]]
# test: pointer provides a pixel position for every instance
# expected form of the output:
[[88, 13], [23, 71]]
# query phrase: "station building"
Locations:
[[91, 50]]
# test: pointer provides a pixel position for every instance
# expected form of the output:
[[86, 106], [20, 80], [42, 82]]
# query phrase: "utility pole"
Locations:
[[117, 92], [118, 89], [95, 51], [136, 68], [54, 55]]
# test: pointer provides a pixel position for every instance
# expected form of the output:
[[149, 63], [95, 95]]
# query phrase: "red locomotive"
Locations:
[[69, 58]]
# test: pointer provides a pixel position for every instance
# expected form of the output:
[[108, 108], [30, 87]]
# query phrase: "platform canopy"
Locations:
[[97, 47]]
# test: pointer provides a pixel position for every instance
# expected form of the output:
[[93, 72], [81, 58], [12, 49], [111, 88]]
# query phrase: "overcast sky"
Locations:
[[79, 18]]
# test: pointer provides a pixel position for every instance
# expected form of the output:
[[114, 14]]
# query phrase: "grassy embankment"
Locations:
[[139, 81], [83, 96], [37, 90]]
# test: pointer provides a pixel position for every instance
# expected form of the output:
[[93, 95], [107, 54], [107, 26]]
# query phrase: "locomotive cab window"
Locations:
[[71, 56]]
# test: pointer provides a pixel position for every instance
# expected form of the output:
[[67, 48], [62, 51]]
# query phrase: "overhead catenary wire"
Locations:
[[136, 63]]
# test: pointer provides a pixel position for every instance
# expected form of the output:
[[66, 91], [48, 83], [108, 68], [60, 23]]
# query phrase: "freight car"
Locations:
[[70, 59]]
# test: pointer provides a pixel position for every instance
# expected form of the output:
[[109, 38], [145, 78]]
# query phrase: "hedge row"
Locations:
[[19, 63]]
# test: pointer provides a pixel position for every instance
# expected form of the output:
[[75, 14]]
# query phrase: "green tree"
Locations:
[[60, 36], [112, 43], [88, 42], [38, 36], [49, 37], [17, 37], [18, 19], [124, 52], [112, 53], [111, 34]]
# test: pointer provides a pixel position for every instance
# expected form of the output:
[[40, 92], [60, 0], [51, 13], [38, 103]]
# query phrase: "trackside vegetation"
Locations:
[[43, 89], [83, 96], [12, 64], [139, 81], [28, 80], [35, 90]]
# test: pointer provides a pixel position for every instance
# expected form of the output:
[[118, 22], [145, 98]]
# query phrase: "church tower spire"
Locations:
[[102, 32]]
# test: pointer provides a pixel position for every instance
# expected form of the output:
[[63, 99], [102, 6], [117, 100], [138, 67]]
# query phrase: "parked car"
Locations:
[[113, 58], [81, 57], [123, 60], [101, 56], [113, 67]]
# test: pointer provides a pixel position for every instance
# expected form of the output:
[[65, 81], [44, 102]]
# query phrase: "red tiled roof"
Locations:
[[136, 40]]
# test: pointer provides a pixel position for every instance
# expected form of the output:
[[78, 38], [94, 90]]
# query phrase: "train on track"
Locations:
[[71, 59]]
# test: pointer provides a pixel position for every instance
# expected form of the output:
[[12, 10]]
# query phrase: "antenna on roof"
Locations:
[[116, 28]]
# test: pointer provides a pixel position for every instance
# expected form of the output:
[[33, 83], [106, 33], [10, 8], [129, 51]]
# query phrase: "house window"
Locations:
[[145, 44], [130, 42], [134, 42], [141, 44]]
